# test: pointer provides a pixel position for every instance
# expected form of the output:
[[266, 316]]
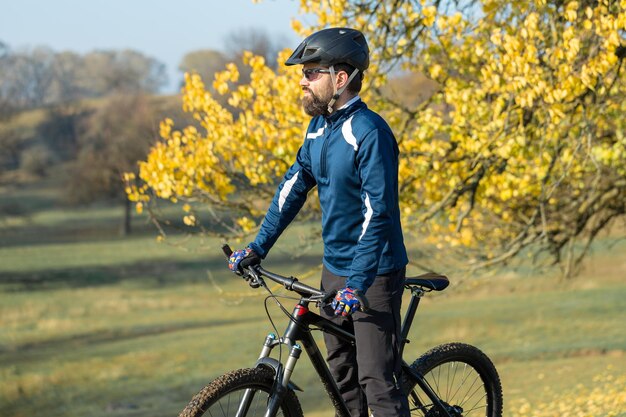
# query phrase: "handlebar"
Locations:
[[256, 272]]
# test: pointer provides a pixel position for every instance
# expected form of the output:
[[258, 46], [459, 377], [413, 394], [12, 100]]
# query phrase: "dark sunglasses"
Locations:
[[312, 74]]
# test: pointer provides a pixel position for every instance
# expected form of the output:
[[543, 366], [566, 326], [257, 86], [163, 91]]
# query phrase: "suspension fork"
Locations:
[[283, 374], [246, 399], [281, 385], [295, 331]]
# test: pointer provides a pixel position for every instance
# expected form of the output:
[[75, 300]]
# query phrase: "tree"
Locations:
[[125, 71], [207, 62], [4, 49], [111, 140], [25, 78], [204, 62], [254, 40], [521, 149], [36, 77], [67, 68], [6, 108]]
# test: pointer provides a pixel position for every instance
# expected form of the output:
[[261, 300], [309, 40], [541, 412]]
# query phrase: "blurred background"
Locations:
[[98, 317]]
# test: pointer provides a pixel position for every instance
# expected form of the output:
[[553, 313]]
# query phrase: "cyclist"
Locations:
[[351, 155]]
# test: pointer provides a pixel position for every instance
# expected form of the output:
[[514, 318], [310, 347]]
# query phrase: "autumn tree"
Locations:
[[110, 140], [254, 40], [520, 148], [122, 71], [36, 77], [205, 62], [25, 78]]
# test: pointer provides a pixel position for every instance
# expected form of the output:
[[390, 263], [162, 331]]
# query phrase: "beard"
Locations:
[[315, 105]]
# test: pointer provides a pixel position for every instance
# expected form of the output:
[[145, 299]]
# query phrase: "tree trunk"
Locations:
[[126, 225]]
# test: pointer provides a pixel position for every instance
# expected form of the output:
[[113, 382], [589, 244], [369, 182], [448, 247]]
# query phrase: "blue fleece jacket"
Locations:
[[352, 158]]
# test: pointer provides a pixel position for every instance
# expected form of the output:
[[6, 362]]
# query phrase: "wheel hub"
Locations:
[[453, 410]]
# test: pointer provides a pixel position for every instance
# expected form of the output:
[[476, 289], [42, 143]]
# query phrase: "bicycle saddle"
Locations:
[[430, 280]]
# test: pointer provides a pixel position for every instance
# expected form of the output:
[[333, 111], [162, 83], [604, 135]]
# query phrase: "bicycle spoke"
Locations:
[[481, 399], [231, 404], [222, 408], [436, 382], [467, 396], [477, 390], [463, 379], [450, 383], [256, 404], [457, 384]]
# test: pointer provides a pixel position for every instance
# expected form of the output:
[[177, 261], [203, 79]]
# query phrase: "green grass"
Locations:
[[93, 324]]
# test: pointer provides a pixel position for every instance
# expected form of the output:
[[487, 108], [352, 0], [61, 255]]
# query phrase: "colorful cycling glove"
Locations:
[[242, 258], [347, 301]]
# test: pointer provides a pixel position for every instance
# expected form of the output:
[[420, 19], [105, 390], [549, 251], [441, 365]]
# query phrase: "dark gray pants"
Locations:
[[367, 375]]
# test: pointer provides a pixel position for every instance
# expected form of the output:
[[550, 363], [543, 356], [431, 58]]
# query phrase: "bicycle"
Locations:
[[451, 380]]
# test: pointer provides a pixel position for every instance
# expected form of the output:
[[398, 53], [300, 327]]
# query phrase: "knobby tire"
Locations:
[[221, 397], [461, 375]]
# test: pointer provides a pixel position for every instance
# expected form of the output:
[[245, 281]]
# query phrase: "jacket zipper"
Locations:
[[323, 159], [323, 156]]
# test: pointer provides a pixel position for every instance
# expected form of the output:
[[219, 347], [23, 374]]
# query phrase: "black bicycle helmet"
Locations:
[[333, 46]]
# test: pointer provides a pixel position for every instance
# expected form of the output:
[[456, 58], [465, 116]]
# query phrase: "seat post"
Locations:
[[416, 296]]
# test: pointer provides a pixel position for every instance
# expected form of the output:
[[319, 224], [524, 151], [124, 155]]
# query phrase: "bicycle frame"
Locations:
[[299, 331]]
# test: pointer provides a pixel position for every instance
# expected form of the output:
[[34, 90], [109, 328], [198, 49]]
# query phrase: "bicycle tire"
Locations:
[[462, 376], [222, 396]]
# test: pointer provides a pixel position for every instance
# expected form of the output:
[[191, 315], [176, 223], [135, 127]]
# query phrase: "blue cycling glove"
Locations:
[[243, 258], [349, 300]]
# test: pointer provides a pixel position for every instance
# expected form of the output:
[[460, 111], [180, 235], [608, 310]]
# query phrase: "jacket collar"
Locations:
[[350, 102], [346, 110]]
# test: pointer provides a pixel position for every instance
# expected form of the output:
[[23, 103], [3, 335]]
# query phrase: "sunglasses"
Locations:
[[312, 74]]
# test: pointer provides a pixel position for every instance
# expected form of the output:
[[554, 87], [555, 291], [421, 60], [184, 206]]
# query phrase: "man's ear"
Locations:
[[342, 79]]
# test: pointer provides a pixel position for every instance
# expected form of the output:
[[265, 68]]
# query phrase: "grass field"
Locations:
[[92, 324]]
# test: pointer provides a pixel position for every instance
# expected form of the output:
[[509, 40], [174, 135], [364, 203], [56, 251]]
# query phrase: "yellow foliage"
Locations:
[[525, 130]]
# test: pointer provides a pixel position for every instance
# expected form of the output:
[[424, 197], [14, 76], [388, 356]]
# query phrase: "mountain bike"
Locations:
[[451, 380]]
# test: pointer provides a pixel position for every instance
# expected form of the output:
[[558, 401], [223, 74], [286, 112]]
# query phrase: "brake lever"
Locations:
[[323, 299], [254, 278], [329, 296], [227, 250], [249, 275]]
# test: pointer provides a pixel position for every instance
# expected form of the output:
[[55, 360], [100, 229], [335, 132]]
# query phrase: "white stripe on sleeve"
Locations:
[[368, 214], [284, 193]]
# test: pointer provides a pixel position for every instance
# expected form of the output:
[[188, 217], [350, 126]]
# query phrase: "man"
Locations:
[[351, 155]]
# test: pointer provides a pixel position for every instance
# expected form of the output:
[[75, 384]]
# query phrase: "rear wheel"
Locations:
[[463, 378], [225, 396]]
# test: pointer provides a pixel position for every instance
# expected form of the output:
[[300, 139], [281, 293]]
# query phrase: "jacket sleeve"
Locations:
[[377, 159], [287, 202]]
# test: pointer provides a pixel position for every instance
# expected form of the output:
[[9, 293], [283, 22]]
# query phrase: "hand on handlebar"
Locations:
[[348, 300], [247, 258], [243, 258]]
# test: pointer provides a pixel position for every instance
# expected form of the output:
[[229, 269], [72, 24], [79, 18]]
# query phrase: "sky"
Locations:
[[161, 29]]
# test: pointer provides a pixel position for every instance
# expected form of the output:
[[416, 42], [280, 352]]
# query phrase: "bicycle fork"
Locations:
[[282, 381]]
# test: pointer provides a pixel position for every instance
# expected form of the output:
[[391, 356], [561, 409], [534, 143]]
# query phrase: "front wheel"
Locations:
[[244, 392], [463, 378]]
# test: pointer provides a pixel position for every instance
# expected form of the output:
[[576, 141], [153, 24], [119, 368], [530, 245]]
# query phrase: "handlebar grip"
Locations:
[[227, 250], [329, 296]]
